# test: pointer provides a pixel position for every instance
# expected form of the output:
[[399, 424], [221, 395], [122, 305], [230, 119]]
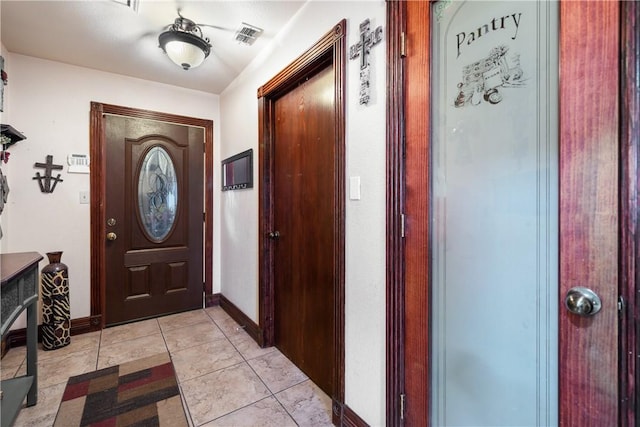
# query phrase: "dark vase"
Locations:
[[56, 313]]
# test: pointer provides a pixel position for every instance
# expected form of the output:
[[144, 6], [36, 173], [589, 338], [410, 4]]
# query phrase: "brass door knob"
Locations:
[[111, 236]]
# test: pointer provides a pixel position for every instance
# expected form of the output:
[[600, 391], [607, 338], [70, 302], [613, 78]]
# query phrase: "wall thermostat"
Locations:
[[78, 163]]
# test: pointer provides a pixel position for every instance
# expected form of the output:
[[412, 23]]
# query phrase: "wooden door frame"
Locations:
[[417, 240], [98, 179], [330, 49], [395, 176], [629, 212]]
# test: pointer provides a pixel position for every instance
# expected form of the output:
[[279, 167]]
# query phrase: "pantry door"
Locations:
[[511, 203]]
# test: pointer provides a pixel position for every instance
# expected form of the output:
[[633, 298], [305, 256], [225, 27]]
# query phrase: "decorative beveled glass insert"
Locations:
[[157, 193]]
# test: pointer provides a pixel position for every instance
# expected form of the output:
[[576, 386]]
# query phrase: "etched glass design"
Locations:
[[495, 214], [157, 194]]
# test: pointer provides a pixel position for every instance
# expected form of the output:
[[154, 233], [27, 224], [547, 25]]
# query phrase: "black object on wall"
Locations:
[[237, 171]]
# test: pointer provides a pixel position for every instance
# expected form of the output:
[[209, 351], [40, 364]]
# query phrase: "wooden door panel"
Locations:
[[138, 282], [178, 277], [588, 362], [168, 278], [417, 262], [149, 276], [304, 193], [287, 331]]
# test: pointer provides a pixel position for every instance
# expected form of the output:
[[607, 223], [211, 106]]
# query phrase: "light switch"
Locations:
[[354, 188], [84, 197]]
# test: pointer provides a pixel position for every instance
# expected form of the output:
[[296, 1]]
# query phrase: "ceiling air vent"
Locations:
[[247, 34]]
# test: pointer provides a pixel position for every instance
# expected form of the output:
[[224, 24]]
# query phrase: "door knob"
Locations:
[[582, 301], [274, 235], [111, 236]]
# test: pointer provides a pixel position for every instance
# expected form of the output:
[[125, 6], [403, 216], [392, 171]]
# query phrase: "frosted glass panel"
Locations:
[[157, 193], [495, 198]]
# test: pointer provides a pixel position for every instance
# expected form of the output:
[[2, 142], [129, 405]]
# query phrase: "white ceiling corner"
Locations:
[[108, 36]]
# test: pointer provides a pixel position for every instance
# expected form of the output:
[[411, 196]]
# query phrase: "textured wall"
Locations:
[[50, 103], [365, 218]]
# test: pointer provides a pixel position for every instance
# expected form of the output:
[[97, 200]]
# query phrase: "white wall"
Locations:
[[4, 167], [50, 103], [365, 218]]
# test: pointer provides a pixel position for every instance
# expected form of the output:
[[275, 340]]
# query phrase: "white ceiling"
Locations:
[[106, 35]]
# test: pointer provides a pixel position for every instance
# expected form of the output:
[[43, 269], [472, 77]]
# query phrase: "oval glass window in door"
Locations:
[[157, 193]]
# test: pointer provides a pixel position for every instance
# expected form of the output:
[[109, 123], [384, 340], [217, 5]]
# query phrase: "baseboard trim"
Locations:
[[351, 419], [82, 325], [85, 325], [211, 300], [236, 314]]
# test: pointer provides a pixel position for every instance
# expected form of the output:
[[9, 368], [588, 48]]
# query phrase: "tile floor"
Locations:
[[225, 378]]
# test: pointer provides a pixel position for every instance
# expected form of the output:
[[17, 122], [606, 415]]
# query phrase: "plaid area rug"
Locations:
[[143, 392]]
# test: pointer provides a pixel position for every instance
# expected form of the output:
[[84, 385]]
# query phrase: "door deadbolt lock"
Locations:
[[111, 222], [582, 301], [112, 236]]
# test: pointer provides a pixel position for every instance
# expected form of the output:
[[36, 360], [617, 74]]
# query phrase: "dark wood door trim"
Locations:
[[630, 238], [395, 276], [330, 49], [408, 177], [98, 188]]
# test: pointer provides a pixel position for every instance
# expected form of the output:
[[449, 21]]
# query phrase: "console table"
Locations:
[[19, 292]]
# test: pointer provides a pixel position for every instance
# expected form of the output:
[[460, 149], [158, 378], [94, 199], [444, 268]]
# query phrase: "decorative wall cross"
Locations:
[[362, 49], [47, 183]]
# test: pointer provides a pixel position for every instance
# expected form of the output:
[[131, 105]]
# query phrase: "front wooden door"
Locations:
[[580, 386], [154, 218], [304, 265]]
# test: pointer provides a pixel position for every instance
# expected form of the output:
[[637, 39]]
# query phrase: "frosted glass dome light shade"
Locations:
[[185, 49]]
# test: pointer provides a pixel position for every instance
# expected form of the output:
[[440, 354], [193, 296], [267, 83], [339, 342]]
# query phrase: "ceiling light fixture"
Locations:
[[184, 43]]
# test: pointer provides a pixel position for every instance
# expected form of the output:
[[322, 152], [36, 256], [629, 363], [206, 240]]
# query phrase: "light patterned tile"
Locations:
[[191, 336], [14, 357], [276, 371], [247, 346], [44, 412], [181, 320], [203, 359], [217, 313], [219, 393], [230, 328], [56, 370], [265, 413], [308, 404], [22, 370], [84, 342], [7, 372], [187, 412], [126, 351], [129, 331]]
